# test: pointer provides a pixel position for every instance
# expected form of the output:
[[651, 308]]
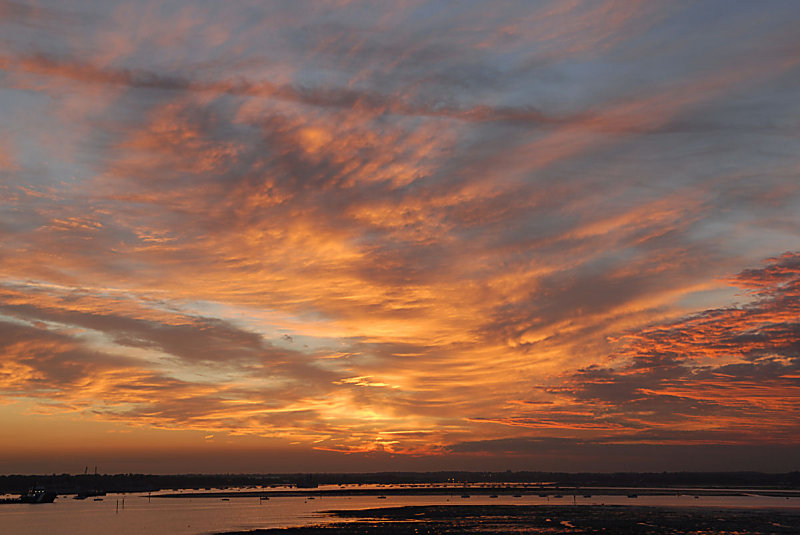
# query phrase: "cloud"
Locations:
[[575, 455], [364, 101], [454, 213], [72, 352], [732, 371], [56, 367], [47, 18]]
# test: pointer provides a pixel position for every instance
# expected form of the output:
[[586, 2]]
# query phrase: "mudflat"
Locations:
[[494, 519]]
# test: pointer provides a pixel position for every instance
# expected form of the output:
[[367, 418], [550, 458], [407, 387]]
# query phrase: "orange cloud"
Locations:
[[729, 369]]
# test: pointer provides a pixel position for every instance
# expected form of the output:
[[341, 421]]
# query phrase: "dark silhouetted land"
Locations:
[[66, 483]]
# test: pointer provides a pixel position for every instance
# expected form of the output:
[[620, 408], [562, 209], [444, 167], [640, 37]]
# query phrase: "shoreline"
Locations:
[[506, 491]]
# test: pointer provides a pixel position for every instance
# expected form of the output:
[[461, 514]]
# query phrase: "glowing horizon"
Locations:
[[339, 235]]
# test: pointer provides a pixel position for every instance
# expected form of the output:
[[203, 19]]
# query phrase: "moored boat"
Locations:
[[38, 495], [34, 495]]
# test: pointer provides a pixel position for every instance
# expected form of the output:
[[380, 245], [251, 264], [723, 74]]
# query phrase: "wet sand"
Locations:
[[494, 519]]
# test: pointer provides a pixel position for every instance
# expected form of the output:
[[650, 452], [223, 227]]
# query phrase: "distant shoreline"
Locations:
[[481, 491], [72, 484]]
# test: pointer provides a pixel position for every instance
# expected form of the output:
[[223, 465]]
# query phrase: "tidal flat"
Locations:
[[494, 519]]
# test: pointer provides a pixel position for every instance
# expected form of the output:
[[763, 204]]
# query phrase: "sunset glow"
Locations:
[[335, 235]]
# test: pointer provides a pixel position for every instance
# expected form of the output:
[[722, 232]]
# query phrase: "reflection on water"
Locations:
[[135, 514]]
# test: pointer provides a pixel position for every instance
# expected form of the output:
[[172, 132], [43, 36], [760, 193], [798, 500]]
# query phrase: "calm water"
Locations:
[[193, 516]]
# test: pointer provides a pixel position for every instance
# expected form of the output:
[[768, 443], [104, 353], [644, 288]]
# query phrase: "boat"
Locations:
[[34, 495], [38, 495]]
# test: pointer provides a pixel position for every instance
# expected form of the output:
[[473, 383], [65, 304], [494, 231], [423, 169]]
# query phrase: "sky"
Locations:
[[300, 236]]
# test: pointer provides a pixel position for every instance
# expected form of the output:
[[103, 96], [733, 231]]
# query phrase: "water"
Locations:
[[195, 516]]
